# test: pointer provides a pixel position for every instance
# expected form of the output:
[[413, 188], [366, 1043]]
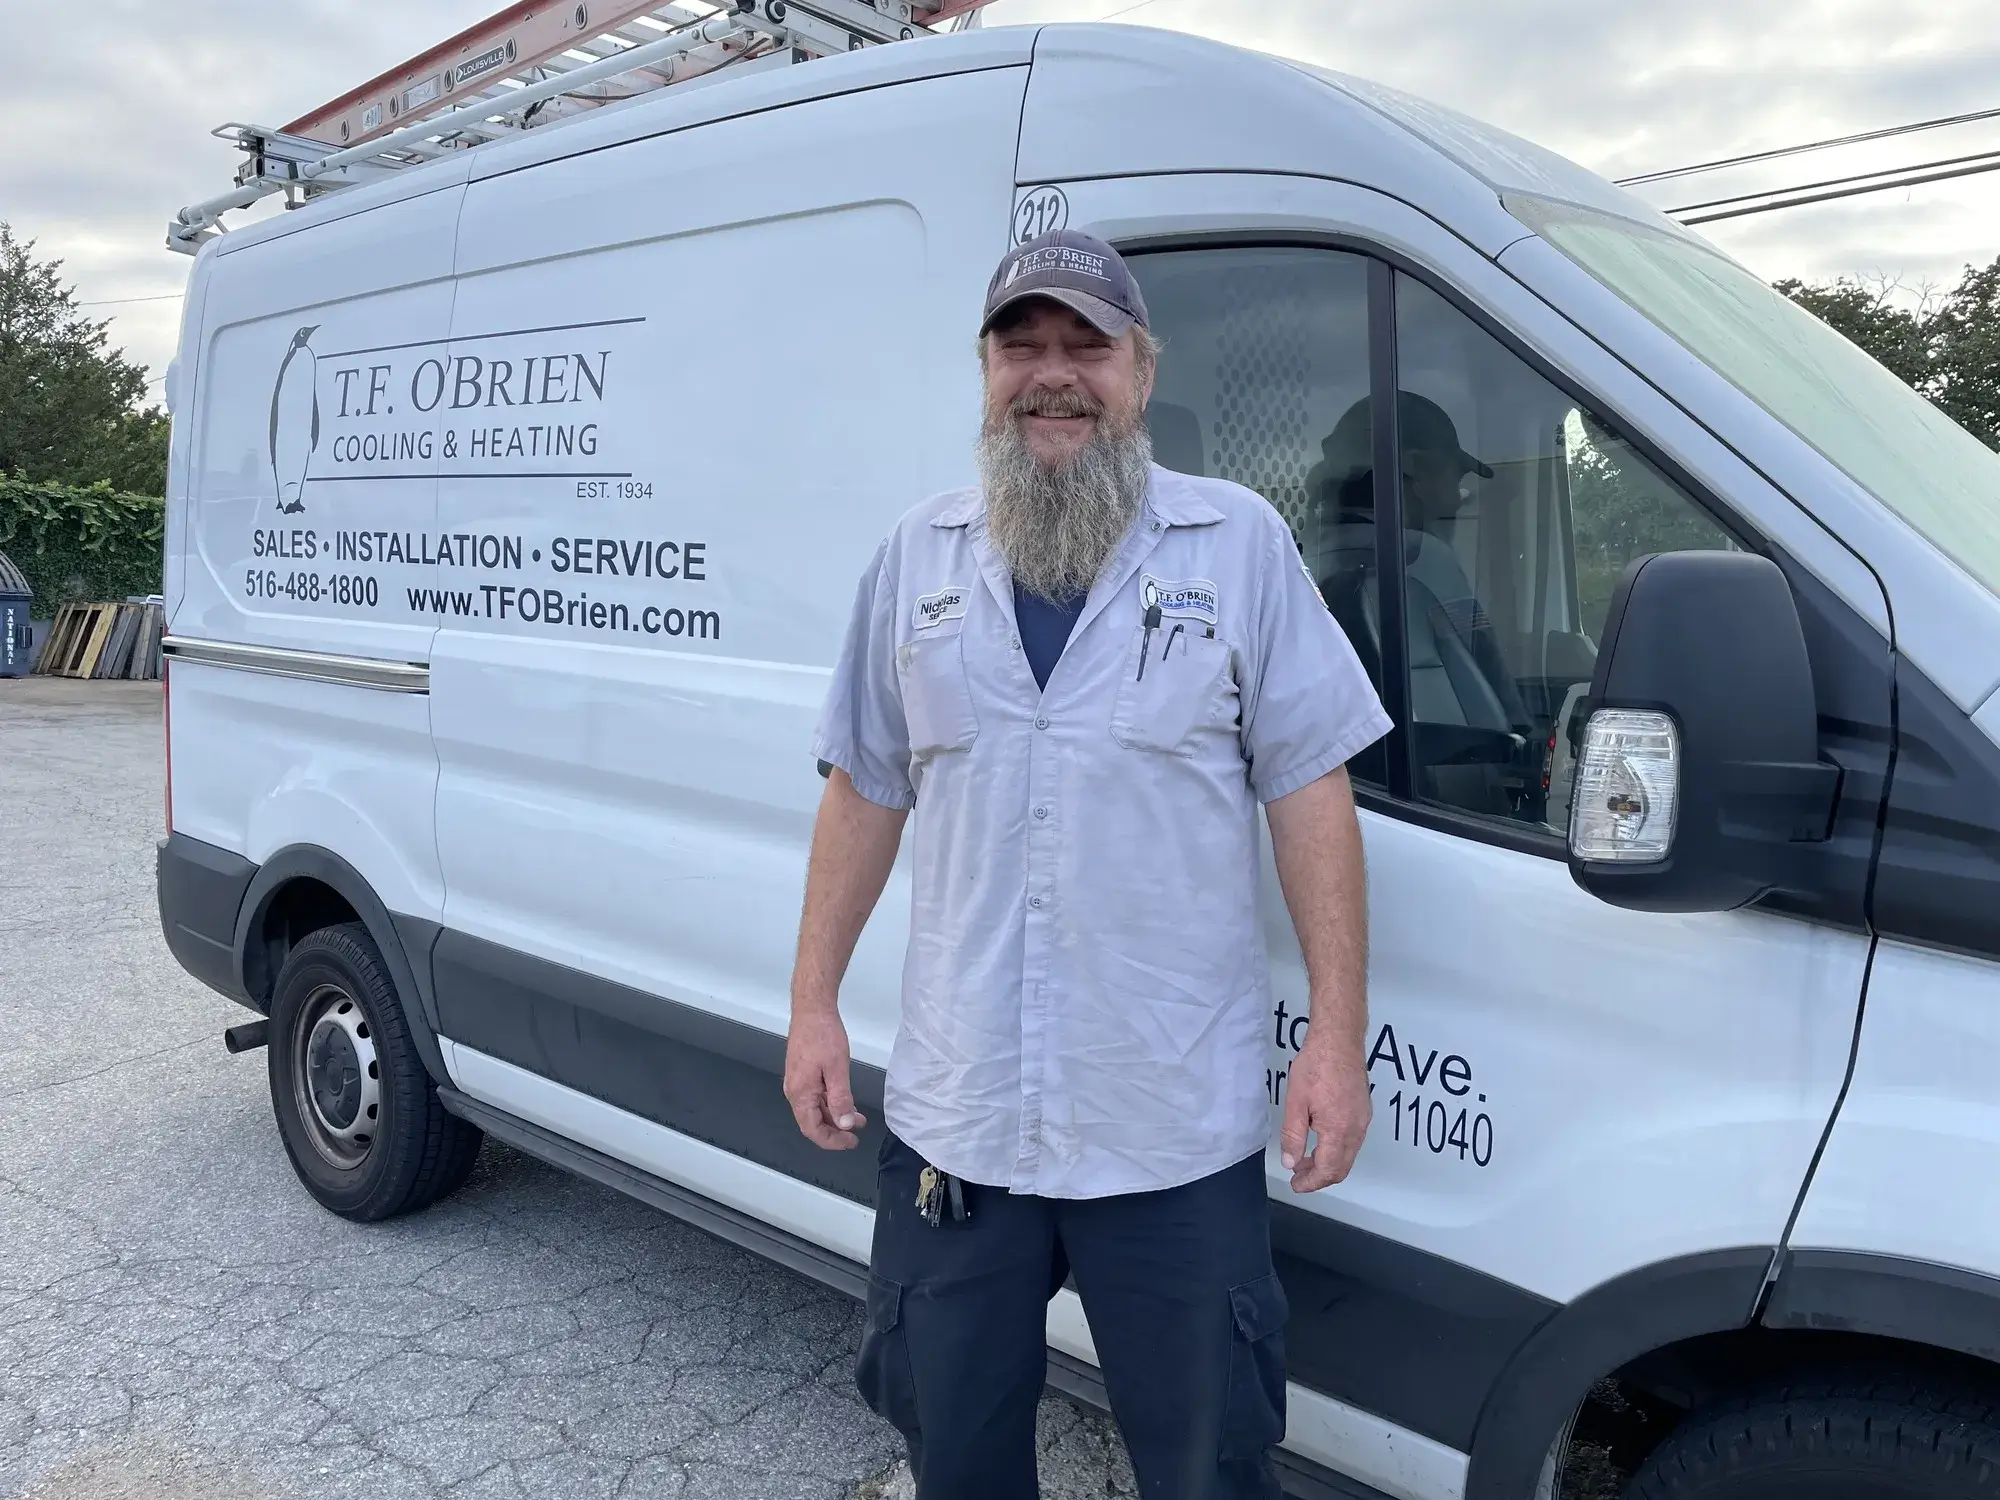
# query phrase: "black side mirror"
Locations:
[[1699, 772]]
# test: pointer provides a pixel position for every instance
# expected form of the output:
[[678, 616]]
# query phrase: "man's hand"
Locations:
[[854, 844], [1317, 844], [816, 1080], [1326, 1093]]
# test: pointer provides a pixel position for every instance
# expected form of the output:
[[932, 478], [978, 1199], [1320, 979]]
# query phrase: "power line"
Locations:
[[1801, 197], [1833, 182], [1841, 140], [1126, 11], [117, 301]]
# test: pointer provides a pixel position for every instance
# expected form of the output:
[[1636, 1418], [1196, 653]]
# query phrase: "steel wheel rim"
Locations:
[[336, 1077]]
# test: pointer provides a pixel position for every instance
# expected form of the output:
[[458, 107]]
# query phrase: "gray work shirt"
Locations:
[[1085, 999]]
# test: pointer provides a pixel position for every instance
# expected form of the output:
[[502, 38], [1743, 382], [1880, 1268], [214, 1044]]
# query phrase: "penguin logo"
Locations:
[[294, 421]]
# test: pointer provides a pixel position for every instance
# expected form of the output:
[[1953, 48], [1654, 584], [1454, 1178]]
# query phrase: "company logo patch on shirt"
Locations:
[[1188, 599], [935, 609]]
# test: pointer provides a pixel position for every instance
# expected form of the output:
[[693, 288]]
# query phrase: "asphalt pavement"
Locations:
[[179, 1321]]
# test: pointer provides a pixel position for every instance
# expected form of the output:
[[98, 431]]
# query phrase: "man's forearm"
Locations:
[[853, 850], [1316, 841]]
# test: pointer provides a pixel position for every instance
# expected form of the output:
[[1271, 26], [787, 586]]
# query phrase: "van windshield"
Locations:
[[1883, 435]]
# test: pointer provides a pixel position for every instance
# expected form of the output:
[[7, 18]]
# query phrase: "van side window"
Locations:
[[1265, 382], [1521, 510]]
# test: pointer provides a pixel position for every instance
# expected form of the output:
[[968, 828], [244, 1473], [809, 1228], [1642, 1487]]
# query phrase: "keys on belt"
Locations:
[[938, 1192]]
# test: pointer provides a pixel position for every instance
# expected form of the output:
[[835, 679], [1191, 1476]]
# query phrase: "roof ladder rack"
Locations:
[[535, 64]]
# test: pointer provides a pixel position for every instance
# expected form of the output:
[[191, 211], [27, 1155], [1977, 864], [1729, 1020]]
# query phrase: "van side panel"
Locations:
[[310, 498], [768, 329], [1910, 1166]]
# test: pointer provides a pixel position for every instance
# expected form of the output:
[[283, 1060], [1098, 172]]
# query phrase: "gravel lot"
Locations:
[[179, 1321]]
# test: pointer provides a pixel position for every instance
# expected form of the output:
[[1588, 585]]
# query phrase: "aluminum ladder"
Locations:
[[533, 65]]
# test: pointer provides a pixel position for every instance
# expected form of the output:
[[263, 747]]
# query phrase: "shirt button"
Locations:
[[1041, 812], [1036, 902], [1156, 526], [1041, 723], [1017, 643]]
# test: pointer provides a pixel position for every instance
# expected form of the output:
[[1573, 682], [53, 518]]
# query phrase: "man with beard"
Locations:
[[1084, 676]]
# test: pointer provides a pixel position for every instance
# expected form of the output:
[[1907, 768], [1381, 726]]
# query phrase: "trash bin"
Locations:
[[17, 637]]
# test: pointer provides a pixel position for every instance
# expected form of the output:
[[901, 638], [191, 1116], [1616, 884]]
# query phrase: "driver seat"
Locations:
[[1447, 685]]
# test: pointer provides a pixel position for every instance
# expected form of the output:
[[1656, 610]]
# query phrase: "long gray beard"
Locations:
[[1056, 527]]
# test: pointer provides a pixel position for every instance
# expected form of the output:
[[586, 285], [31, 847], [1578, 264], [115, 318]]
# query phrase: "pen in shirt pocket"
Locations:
[[1152, 623]]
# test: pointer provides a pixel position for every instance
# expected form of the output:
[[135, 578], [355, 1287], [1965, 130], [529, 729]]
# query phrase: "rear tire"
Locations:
[[1860, 1438], [356, 1109]]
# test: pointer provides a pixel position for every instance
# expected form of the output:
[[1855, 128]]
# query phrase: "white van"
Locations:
[[517, 503]]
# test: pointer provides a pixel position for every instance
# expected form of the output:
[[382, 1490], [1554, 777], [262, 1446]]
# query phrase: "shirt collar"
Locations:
[[967, 508], [1176, 502], [1169, 497]]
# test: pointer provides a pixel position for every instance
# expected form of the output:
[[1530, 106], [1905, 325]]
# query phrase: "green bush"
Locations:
[[81, 544]]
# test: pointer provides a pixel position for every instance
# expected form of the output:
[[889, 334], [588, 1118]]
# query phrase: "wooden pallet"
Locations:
[[77, 640], [103, 641], [54, 646]]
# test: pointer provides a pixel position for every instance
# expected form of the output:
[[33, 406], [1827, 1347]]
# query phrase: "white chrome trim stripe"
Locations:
[[313, 666], [1350, 1441]]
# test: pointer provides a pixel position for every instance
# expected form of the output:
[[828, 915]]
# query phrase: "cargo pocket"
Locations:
[[1255, 1418], [1180, 690], [937, 699], [882, 1369]]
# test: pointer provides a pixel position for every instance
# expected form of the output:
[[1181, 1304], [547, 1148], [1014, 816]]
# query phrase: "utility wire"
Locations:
[[118, 301], [1126, 11], [1832, 182], [1841, 140], [1921, 175]]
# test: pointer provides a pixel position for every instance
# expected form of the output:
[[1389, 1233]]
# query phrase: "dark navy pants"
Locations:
[[1186, 1314]]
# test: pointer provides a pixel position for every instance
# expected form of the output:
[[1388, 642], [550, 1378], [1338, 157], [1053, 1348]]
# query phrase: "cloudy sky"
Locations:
[[108, 109]]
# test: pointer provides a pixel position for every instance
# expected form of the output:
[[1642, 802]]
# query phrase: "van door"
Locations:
[[701, 376], [1565, 1093]]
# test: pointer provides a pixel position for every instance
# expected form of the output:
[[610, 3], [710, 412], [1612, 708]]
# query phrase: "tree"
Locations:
[[69, 403], [1965, 354], [1866, 315], [1946, 346]]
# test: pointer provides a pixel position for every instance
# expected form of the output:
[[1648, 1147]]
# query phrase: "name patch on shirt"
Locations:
[[1187, 599], [935, 609]]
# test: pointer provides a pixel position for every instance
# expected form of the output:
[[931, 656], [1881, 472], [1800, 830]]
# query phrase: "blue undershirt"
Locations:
[[1045, 626]]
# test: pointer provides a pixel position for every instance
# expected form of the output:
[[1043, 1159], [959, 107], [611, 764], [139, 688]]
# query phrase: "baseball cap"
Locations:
[[1425, 427], [1076, 269]]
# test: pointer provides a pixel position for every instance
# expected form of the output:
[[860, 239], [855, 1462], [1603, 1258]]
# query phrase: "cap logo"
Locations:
[[1051, 259]]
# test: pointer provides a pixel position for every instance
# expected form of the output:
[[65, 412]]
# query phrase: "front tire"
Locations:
[[356, 1109], [1855, 1439]]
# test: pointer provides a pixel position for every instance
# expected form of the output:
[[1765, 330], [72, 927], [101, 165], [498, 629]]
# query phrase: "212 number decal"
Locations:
[[1042, 211]]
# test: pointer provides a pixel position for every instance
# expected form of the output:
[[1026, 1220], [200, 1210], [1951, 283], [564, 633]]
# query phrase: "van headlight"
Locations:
[[1627, 788]]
